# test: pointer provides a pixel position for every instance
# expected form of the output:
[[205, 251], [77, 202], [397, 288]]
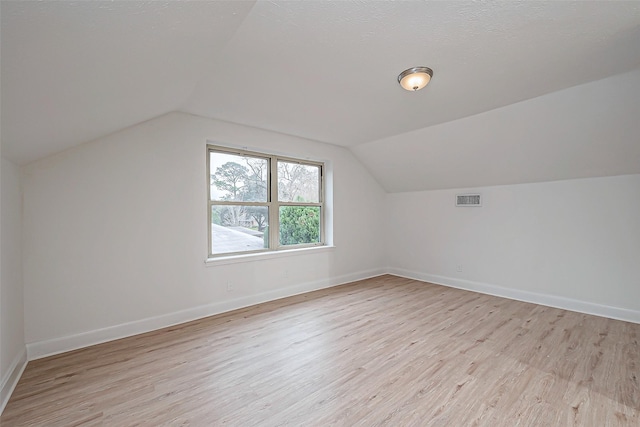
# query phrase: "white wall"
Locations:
[[572, 244], [12, 343], [115, 233]]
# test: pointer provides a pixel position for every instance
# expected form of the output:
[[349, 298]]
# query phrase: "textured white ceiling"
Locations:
[[74, 71], [584, 131], [328, 71]]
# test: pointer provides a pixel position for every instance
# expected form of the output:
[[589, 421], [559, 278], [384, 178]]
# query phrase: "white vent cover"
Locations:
[[468, 200]]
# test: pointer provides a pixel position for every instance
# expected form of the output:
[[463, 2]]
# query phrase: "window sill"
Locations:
[[234, 259]]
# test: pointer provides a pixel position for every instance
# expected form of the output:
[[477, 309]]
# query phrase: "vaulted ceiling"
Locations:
[[323, 70]]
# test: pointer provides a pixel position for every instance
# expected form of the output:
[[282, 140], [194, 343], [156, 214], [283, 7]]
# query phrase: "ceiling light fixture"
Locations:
[[415, 78]]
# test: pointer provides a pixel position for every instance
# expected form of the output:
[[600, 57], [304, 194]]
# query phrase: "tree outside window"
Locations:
[[246, 189]]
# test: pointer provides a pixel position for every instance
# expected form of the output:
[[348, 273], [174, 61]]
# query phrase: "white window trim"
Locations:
[[273, 205], [263, 256]]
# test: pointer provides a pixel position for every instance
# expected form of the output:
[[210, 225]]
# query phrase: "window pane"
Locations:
[[299, 224], [238, 178], [237, 228], [298, 183]]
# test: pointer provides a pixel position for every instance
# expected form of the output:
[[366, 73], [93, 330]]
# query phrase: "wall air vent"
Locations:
[[468, 200]]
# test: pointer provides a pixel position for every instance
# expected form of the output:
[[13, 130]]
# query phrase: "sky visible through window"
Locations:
[[240, 202]]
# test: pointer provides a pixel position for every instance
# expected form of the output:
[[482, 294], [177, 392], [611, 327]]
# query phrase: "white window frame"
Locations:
[[273, 204]]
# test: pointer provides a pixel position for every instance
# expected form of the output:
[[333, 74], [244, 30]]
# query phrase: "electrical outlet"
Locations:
[[459, 268], [229, 286]]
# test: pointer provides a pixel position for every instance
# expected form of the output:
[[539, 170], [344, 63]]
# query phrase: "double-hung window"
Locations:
[[262, 202]]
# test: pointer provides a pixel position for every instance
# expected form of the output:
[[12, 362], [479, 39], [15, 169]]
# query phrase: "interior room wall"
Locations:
[[12, 343], [573, 244], [115, 229], [115, 233]]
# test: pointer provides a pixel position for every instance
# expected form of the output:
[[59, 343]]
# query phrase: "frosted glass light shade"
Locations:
[[415, 78]]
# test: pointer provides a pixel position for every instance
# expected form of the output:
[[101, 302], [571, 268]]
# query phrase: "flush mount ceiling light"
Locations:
[[415, 78]]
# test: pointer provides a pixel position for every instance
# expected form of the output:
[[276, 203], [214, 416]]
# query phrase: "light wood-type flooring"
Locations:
[[383, 351]]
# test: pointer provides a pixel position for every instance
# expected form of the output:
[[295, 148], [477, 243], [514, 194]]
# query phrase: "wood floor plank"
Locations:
[[386, 351]]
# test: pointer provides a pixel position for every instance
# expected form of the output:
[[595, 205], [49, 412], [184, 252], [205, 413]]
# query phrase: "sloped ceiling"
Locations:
[[75, 71]]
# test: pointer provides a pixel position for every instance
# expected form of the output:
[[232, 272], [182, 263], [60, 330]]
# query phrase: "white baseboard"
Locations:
[[526, 296], [11, 378], [40, 349]]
